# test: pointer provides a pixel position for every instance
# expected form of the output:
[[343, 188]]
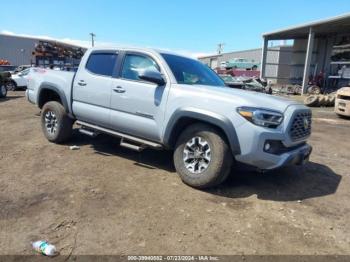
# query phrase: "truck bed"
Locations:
[[40, 78]]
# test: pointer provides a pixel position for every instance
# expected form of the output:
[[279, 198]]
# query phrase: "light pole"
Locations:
[[92, 39], [220, 48]]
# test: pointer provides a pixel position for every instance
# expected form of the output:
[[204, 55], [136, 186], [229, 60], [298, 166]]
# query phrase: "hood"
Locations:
[[344, 91], [241, 97], [15, 76]]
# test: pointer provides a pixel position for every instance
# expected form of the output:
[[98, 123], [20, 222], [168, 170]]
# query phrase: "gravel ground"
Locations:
[[104, 199]]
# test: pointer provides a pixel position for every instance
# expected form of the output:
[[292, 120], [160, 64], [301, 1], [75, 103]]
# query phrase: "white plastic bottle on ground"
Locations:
[[43, 247]]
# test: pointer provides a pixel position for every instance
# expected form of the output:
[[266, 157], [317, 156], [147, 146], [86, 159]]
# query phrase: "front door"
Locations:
[[137, 106], [92, 88]]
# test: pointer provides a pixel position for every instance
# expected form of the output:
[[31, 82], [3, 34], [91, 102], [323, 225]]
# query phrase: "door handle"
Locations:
[[119, 89], [82, 83]]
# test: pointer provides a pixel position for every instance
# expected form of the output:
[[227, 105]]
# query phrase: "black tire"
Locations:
[[297, 90], [3, 91], [314, 90], [63, 124], [332, 100], [11, 85], [329, 100], [322, 101], [311, 101], [221, 158]]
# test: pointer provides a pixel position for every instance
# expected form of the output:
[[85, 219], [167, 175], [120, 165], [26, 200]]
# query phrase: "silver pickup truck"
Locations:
[[162, 100]]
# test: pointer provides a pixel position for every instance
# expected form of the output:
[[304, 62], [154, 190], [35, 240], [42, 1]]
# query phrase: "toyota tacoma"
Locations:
[[162, 100]]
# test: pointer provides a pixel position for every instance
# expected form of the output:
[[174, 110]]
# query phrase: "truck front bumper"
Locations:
[[298, 156], [342, 107], [280, 151], [268, 161]]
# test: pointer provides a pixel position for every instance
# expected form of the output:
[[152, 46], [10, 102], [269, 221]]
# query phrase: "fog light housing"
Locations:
[[267, 146]]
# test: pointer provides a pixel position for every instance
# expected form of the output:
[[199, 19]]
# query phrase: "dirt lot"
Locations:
[[104, 199]]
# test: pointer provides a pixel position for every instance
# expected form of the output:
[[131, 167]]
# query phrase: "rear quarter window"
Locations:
[[102, 63]]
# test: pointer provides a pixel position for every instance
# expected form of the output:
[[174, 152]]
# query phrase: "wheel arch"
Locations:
[[50, 92], [185, 117]]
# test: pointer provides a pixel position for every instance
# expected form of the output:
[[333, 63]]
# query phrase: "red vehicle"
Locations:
[[235, 72]]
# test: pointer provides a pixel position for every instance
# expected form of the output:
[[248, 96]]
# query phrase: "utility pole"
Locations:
[[220, 48], [92, 39]]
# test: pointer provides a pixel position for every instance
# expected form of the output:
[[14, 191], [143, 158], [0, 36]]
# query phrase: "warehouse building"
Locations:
[[320, 53], [214, 61], [23, 50], [277, 63]]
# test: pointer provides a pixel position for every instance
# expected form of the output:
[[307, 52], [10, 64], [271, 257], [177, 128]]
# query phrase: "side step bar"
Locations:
[[126, 144], [88, 132], [143, 143]]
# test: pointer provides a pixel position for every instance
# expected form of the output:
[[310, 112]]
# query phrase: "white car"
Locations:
[[19, 80]]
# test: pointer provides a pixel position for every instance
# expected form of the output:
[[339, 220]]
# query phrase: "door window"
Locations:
[[24, 72], [133, 64], [102, 63]]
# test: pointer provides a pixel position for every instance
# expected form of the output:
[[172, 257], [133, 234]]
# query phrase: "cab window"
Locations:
[[133, 64], [102, 63]]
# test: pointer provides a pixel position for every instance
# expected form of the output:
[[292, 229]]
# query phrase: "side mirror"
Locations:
[[152, 76]]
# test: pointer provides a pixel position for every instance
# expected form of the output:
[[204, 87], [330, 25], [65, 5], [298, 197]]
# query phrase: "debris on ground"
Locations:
[[44, 248], [320, 100], [74, 147]]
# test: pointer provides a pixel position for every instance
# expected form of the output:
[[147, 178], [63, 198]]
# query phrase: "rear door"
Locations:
[[137, 106], [92, 88]]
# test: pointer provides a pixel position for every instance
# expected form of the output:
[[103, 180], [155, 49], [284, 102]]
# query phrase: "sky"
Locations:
[[194, 27]]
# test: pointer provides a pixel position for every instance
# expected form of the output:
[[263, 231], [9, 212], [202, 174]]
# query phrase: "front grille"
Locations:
[[344, 97], [301, 125]]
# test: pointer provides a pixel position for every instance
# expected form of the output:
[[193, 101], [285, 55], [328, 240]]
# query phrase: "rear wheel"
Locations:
[[202, 157], [11, 86], [55, 123]]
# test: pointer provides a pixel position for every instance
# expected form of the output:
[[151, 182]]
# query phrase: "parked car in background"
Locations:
[[4, 77], [342, 102], [21, 68], [19, 80], [241, 63], [7, 68], [245, 83], [162, 100]]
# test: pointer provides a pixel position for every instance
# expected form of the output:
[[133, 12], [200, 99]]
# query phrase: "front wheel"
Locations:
[[3, 91], [55, 123], [202, 157]]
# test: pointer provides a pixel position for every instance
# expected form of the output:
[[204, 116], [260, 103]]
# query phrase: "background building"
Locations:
[[276, 67], [214, 61], [320, 53], [20, 50]]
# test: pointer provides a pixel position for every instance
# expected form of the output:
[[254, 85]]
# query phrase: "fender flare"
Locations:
[[215, 119], [55, 88]]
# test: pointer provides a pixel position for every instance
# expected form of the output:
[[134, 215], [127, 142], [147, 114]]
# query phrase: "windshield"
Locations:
[[192, 72]]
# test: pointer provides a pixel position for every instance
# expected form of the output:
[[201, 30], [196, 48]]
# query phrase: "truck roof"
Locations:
[[139, 49]]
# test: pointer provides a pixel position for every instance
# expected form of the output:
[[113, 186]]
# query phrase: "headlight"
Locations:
[[261, 117]]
